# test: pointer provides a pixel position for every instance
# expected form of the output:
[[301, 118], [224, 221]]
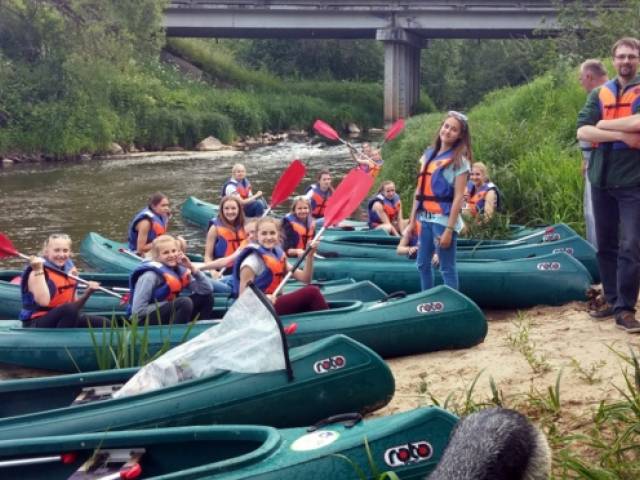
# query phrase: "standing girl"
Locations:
[[438, 198]]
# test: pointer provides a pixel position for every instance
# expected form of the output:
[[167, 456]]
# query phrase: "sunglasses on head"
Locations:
[[460, 116]]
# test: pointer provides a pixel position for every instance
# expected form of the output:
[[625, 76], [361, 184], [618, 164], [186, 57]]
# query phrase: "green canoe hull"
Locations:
[[362, 383], [385, 248], [334, 290], [546, 280], [438, 319], [409, 444]]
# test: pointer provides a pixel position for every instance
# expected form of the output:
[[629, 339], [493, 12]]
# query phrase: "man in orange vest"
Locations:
[[592, 75], [608, 120]]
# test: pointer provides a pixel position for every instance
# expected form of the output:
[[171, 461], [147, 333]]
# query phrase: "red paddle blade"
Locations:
[[288, 182], [6, 247], [394, 130], [347, 197], [322, 128]]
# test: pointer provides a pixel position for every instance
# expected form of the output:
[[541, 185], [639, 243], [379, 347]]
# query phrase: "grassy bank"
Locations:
[[526, 135]]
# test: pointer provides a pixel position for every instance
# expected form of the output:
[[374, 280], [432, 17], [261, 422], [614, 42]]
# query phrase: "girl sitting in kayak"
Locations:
[[225, 236], [156, 285], [385, 210], [318, 194], [239, 186], [408, 245], [48, 295], [265, 264], [226, 232], [298, 227], [439, 196], [149, 223], [370, 161], [482, 195]]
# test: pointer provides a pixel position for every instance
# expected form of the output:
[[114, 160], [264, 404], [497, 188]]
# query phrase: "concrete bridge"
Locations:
[[403, 27]]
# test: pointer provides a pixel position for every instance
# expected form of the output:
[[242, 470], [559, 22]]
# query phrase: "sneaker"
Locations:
[[626, 321], [603, 311]]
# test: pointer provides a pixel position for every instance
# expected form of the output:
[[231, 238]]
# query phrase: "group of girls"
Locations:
[[257, 251], [243, 252]]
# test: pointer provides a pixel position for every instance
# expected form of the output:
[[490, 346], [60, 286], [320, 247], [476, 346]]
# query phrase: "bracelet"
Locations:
[[37, 274], [450, 228]]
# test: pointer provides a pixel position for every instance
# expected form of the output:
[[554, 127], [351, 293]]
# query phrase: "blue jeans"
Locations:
[[222, 285], [429, 233], [618, 210], [256, 208]]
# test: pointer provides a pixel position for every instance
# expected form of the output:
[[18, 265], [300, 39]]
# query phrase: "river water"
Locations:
[[102, 195]]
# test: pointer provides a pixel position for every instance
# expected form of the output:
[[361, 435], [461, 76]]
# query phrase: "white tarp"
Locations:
[[247, 340]]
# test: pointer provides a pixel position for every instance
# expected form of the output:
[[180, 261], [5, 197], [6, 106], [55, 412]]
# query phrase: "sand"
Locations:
[[557, 338]]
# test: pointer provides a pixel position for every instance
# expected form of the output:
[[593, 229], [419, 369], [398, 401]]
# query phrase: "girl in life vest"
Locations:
[[265, 264], [319, 193], [48, 295], [369, 160], [226, 232], [239, 186], [149, 223], [156, 285], [385, 210], [298, 227], [438, 198], [481, 195], [408, 244]]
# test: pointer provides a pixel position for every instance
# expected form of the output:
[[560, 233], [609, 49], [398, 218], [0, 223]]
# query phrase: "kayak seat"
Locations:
[[335, 306]]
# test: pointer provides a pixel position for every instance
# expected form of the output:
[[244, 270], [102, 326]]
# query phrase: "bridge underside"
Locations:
[[403, 27]]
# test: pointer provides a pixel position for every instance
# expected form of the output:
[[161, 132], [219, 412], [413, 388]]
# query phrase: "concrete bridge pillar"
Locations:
[[401, 72]]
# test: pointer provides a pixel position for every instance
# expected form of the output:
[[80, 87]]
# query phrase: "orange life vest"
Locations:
[[435, 192]]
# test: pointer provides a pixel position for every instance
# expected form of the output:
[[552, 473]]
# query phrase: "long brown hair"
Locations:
[[239, 221], [462, 147]]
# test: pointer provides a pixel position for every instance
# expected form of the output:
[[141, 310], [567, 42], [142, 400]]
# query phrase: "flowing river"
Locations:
[[102, 195]]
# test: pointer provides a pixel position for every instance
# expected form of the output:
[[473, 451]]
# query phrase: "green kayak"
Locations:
[[437, 319], [357, 380], [11, 303], [551, 279], [385, 247], [409, 444]]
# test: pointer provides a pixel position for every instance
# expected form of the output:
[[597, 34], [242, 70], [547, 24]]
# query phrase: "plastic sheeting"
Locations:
[[247, 340]]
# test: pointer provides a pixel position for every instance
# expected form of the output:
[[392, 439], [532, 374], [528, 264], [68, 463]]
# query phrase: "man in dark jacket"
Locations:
[[610, 120]]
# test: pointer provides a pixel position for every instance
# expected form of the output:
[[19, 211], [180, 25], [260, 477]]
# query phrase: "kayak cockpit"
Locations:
[[189, 450]]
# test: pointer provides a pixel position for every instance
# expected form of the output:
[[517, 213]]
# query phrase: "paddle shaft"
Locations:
[[532, 235], [77, 279], [298, 262]]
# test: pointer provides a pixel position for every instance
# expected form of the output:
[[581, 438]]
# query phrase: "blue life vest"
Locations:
[[275, 262], [297, 233], [62, 289], [173, 281], [477, 199], [158, 227], [243, 187], [435, 193], [318, 200], [391, 208]]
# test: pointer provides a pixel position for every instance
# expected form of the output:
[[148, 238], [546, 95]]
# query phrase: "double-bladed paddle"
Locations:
[[546, 231], [286, 184], [344, 200], [8, 250], [393, 132], [325, 130]]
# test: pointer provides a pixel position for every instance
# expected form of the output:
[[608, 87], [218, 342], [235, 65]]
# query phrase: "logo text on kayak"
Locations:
[[430, 307], [333, 363], [414, 452]]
